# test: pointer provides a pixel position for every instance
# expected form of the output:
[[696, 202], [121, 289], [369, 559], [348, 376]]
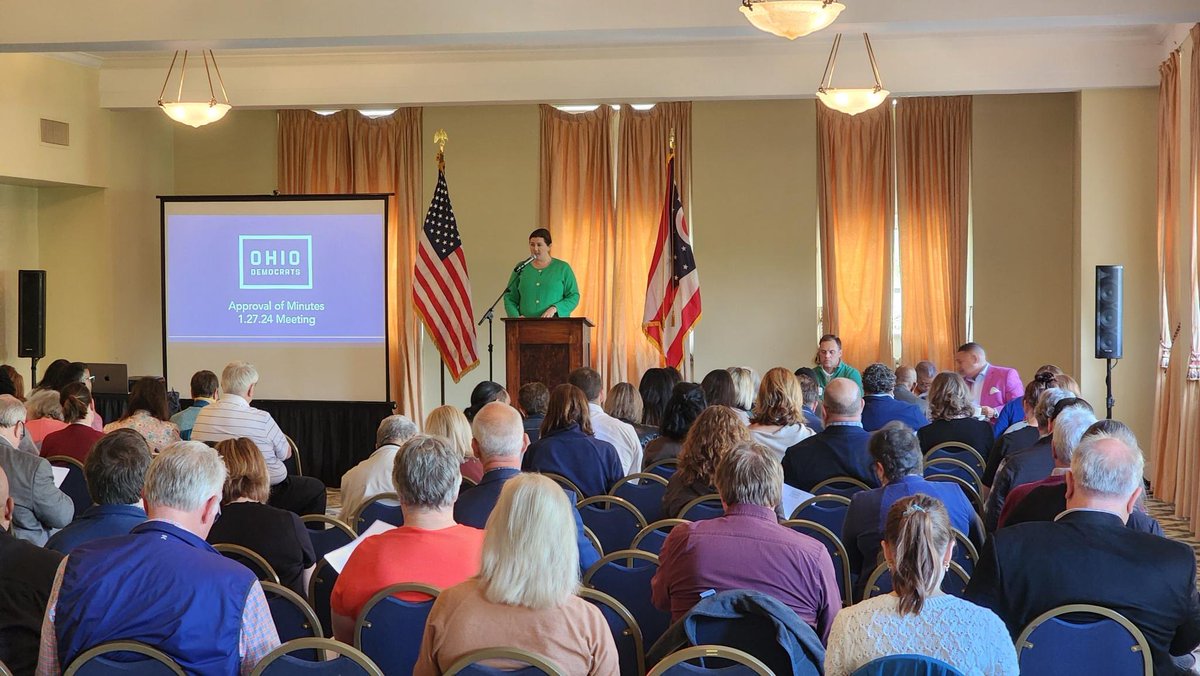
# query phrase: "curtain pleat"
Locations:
[[933, 159], [1186, 413], [349, 153], [855, 169], [643, 145]]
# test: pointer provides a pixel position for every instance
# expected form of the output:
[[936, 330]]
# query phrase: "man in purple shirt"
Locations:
[[747, 548]]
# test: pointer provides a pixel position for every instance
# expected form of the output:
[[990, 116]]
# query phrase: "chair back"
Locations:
[[4, 670], [250, 559], [677, 664], [591, 537], [664, 468], [75, 483], [383, 507], [565, 483], [626, 633], [702, 508], [644, 491], [630, 586], [320, 588], [827, 510], [652, 537], [348, 661], [334, 533], [845, 486], [965, 554], [469, 664], [957, 450], [837, 552], [752, 634], [614, 521], [296, 465], [967, 488], [1083, 639], [956, 468], [292, 614], [389, 630], [906, 665], [954, 582], [123, 658]]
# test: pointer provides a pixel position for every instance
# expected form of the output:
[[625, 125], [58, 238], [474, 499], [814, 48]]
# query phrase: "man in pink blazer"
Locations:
[[991, 386]]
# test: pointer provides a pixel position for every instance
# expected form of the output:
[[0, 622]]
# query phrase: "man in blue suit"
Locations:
[[880, 407], [838, 450], [498, 440]]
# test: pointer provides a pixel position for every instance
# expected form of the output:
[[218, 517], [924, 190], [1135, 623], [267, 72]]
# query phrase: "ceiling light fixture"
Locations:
[[850, 101], [791, 19], [194, 113]]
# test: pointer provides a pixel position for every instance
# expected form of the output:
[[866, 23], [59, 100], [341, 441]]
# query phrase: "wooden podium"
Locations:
[[544, 350]]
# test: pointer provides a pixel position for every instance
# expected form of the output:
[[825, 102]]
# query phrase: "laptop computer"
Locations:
[[109, 378]]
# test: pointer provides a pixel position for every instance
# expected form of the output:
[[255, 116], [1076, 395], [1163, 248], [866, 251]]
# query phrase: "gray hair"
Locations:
[[744, 387], [237, 377], [878, 379], [1044, 412], [1069, 427], [897, 449], [498, 431], [12, 411], [750, 474], [1105, 465], [426, 472], [184, 476], [43, 404], [395, 429]]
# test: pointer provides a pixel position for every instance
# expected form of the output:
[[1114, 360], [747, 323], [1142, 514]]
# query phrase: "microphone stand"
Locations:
[[491, 311]]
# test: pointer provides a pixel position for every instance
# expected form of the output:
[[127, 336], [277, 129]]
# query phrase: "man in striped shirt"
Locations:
[[232, 417]]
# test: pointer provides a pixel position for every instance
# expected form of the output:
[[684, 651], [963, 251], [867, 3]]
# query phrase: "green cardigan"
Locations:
[[532, 291], [843, 370]]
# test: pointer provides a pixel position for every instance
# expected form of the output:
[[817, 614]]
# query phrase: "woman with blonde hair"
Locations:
[[525, 593], [716, 430], [43, 415], [624, 403], [744, 388], [451, 424], [777, 420], [917, 618], [953, 416], [246, 519]]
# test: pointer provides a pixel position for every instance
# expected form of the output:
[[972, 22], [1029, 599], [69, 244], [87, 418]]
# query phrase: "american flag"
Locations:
[[673, 285], [441, 286]]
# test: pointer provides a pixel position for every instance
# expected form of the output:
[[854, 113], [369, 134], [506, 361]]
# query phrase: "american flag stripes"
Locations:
[[441, 286], [673, 285]]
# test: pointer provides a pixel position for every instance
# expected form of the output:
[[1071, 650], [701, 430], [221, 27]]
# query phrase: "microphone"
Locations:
[[522, 264]]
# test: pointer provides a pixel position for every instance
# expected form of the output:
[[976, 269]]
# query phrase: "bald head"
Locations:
[[842, 401], [498, 434], [906, 377]]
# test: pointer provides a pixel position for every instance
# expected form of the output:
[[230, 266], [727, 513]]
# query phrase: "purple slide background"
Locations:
[[347, 276]]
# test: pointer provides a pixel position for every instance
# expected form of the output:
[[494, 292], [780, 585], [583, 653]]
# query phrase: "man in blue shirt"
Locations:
[[498, 441], [881, 407], [899, 464], [115, 470], [205, 388]]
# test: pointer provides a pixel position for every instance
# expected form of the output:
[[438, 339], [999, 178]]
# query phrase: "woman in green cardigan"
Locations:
[[545, 287]]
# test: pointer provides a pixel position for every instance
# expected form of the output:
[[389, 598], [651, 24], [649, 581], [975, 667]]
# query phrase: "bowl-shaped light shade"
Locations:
[[852, 101], [792, 18], [195, 113]]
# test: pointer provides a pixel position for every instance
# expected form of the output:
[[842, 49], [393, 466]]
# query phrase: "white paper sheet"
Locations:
[[338, 557], [792, 497], [60, 474]]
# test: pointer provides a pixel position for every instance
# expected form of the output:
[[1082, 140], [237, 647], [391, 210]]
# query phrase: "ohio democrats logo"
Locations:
[[275, 261]]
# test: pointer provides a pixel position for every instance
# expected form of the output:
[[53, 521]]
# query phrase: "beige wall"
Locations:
[[18, 251], [1117, 166], [235, 157], [754, 208], [1023, 206]]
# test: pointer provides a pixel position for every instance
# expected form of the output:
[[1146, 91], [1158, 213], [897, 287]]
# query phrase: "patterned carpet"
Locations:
[[1176, 528]]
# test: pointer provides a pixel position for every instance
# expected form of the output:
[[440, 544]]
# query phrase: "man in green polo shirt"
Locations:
[[830, 364]]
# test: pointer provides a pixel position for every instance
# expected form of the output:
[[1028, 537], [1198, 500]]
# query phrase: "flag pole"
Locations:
[[439, 138]]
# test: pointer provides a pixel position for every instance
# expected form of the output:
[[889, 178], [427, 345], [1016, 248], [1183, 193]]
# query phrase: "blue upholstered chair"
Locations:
[[333, 533], [348, 661], [652, 537], [827, 510], [957, 450], [664, 468], [383, 507], [389, 630], [837, 552], [704, 507], [731, 663], [293, 617], [880, 581], [123, 658], [644, 491], [469, 665], [614, 521], [320, 588], [75, 484], [630, 585], [1080, 639], [844, 486], [906, 665], [956, 468], [627, 635]]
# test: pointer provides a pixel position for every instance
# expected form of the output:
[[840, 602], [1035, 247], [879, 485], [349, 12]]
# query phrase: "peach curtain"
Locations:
[[855, 197], [642, 148], [576, 206], [349, 153], [1184, 417], [933, 160], [1166, 473]]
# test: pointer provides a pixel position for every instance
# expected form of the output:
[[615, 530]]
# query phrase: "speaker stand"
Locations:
[[33, 372], [1109, 401]]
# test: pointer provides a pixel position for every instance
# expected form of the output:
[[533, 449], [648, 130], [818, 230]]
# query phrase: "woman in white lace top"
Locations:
[[917, 618]]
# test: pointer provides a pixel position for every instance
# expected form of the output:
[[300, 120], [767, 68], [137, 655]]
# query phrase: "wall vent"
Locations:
[[58, 133]]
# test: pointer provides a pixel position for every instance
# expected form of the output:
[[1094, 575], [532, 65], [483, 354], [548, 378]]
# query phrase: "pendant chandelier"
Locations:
[[791, 19], [194, 113], [851, 101]]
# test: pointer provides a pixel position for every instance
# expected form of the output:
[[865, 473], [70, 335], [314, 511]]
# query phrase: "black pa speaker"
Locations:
[[1108, 311], [31, 313]]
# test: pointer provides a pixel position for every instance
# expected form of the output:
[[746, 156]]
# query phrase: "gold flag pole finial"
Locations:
[[440, 137], [671, 142]]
